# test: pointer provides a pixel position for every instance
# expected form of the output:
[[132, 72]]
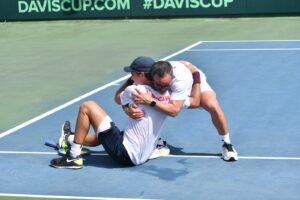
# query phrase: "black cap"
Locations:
[[140, 64]]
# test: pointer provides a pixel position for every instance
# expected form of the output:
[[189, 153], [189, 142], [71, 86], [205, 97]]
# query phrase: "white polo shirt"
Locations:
[[141, 136], [182, 83]]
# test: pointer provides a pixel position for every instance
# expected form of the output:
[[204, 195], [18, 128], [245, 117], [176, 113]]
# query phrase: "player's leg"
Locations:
[[210, 103], [91, 140], [89, 114]]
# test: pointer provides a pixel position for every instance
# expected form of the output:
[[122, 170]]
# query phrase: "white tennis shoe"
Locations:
[[161, 149], [229, 153]]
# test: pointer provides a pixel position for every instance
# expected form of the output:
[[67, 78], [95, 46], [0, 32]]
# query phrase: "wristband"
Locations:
[[129, 81], [196, 77]]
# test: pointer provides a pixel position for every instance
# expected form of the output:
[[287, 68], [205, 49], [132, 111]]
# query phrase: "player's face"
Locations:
[[138, 77], [162, 84]]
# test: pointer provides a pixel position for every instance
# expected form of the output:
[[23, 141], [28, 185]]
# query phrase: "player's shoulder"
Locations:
[[133, 88], [130, 88], [175, 63], [178, 67]]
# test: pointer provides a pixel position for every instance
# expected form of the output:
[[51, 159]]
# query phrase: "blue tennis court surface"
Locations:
[[257, 84]]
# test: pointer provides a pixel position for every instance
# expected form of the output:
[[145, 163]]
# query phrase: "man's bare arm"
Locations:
[[120, 90], [195, 97], [132, 111], [172, 108]]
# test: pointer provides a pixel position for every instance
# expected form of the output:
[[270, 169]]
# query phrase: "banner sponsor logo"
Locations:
[[48, 6]]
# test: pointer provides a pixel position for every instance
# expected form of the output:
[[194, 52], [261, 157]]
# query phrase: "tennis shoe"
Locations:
[[67, 162], [161, 149], [65, 133], [229, 153]]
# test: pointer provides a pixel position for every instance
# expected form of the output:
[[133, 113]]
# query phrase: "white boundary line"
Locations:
[[170, 156], [233, 41], [66, 197], [83, 96], [261, 49], [240, 157], [28, 152]]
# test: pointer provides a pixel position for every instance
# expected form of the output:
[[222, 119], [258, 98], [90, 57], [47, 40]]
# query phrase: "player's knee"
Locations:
[[212, 106], [86, 106]]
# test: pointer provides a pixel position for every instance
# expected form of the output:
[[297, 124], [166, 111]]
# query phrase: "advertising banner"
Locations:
[[101, 9]]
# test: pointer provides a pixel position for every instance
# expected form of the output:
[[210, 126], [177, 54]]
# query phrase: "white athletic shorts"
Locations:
[[204, 86]]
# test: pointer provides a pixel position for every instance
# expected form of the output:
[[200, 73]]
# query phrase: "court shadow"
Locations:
[[163, 172], [170, 172], [179, 152], [103, 161]]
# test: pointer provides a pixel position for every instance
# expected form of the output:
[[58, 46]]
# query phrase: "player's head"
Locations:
[[161, 74], [139, 69]]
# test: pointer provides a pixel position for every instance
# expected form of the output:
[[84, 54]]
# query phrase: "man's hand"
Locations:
[[142, 97], [190, 66], [134, 112]]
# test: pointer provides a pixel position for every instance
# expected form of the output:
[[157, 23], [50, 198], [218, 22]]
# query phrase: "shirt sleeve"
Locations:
[[179, 90], [126, 96], [187, 102]]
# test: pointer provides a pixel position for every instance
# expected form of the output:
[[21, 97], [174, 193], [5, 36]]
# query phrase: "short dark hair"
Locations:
[[160, 68]]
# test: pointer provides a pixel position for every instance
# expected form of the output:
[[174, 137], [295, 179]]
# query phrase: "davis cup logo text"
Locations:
[[40, 6], [43, 6]]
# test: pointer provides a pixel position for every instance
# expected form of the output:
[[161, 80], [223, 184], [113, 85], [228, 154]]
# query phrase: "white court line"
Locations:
[[259, 49], [28, 152], [240, 157], [83, 96], [66, 197], [170, 156], [250, 41]]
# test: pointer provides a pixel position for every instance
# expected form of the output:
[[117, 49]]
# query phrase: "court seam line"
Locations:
[[54, 110], [250, 41], [171, 155], [66, 197], [259, 49]]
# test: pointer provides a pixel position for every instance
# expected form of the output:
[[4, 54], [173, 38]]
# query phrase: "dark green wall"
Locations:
[[100, 9]]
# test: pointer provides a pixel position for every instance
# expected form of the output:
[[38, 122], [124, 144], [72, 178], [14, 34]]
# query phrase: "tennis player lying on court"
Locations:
[[132, 146]]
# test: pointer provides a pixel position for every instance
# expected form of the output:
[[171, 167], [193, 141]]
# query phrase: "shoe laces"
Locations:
[[67, 128], [228, 146]]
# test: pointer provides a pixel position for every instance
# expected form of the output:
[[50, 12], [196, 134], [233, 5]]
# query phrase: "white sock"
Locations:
[[226, 138], [70, 139], [75, 150]]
